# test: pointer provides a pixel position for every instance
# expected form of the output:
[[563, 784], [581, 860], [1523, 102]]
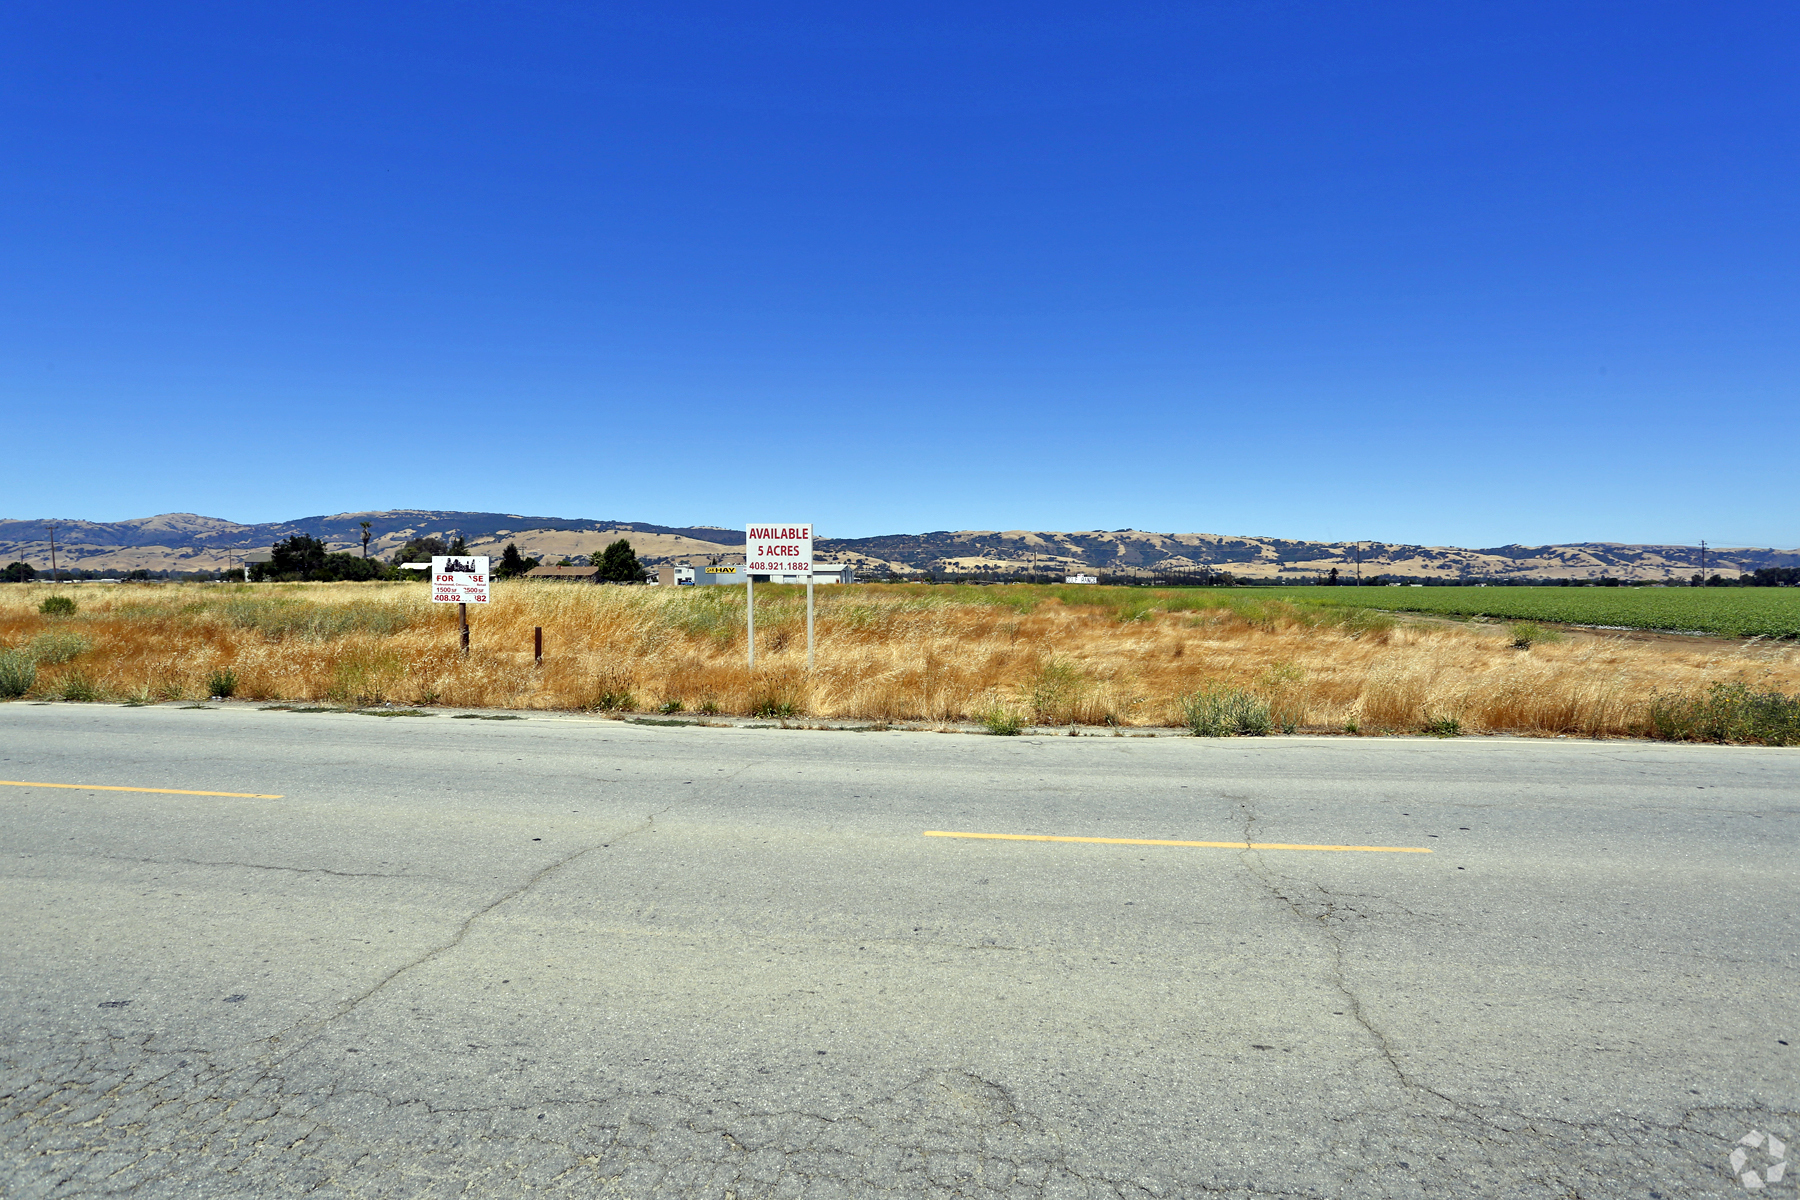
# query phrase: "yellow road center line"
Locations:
[[1045, 837], [102, 787]]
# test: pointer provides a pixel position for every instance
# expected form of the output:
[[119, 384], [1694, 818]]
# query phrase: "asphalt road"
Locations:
[[573, 956]]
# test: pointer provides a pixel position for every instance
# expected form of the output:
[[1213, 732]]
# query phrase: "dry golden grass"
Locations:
[[885, 653]]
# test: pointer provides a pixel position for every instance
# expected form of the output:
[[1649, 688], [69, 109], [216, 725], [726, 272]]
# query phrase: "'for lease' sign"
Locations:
[[778, 549], [459, 579]]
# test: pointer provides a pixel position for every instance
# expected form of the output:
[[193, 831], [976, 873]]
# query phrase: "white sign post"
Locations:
[[778, 549], [462, 580]]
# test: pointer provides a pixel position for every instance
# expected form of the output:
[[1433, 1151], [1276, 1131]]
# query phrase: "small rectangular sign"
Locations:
[[459, 579], [778, 549]]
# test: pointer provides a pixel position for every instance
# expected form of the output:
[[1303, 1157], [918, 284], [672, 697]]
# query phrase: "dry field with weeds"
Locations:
[[915, 653]]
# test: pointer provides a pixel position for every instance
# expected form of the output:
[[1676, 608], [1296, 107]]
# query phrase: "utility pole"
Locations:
[[1702, 558], [53, 552], [365, 531], [1359, 564]]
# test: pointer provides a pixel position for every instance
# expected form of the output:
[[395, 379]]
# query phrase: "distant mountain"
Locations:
[[189, 542]]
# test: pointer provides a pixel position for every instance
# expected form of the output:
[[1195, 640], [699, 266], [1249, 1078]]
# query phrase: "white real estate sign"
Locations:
[[459, 579], [778, 549]]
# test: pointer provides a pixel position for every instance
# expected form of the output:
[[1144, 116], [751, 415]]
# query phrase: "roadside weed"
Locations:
[[1002, 719], [18, 674], [1220, 710], [79, 687]]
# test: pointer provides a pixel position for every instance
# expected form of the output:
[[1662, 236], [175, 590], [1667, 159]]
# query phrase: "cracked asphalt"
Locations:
[[574, 956]]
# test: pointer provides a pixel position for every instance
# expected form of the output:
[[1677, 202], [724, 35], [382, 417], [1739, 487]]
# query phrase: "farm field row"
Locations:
[[1730, 612]]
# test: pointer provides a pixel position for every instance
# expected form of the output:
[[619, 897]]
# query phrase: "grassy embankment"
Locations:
[[1004, 655]]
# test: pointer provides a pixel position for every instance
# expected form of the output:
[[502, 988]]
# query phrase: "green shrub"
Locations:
[[1444, 727], [1220, 710], [1527, 634], [1002, 720], [610, 699], [1727, 712], [669, 706], [18, 673], [76, 686], [222, 683], [772, 706], [58, 647], [57, 606]]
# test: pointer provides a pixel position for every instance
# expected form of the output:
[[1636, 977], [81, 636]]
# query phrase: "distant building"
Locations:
[[821, 573], [730, 573], [1081, 579], [674, 576], [577, 574]]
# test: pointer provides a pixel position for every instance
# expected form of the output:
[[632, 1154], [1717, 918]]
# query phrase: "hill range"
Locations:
[[188, 542]]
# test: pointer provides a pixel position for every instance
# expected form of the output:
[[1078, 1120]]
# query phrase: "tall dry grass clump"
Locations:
[[1008, 657]]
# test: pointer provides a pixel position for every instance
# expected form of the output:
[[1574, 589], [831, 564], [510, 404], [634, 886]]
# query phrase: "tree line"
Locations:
[[302, 558]]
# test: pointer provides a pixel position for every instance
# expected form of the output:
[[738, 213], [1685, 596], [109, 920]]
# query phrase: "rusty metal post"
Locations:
[[463, 614], [537, 644]]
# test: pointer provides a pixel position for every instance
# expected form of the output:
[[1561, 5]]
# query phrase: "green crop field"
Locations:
[[1731, 612]]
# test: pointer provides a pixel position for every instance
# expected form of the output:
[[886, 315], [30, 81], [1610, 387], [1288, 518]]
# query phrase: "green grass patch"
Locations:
[[1727, 712], [280, 617], [1727, 612], [58, 647]]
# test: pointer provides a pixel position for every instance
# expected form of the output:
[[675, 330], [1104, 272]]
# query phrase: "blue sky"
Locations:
[[1437, 272]]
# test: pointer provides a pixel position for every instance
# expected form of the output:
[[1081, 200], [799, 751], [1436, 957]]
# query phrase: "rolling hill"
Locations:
[[189, 542]]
